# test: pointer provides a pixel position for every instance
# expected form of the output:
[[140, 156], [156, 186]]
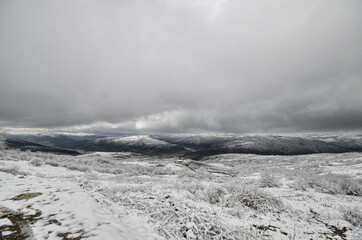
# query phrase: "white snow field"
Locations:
[[130, 196]]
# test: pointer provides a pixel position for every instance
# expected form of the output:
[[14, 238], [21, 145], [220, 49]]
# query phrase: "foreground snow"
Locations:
[[62, 210], [234, 196]]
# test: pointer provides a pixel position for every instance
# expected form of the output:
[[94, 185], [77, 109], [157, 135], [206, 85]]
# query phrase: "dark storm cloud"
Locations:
[[169, 65]]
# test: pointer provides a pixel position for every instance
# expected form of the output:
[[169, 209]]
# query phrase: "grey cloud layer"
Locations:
[[169, 65]]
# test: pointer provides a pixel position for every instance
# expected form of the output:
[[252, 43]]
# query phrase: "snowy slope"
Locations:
[[206, 145], [56, 208], [280, 145], [142, 144], [139, 140], [196, 140]]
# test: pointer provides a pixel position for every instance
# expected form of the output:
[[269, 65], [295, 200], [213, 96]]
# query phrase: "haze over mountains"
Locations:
[[193, 146]]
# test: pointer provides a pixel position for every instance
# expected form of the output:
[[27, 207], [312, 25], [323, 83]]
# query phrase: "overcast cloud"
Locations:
[[182, 65]]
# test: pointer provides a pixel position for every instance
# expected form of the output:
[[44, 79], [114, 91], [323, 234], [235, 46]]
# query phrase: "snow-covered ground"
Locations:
[[128, 196], [57, 208], [136, 140]]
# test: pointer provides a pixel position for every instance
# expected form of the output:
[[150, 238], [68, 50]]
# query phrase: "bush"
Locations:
[[52, 163], [77, 167], [14, 169], [350, 186], [353, 215], [234, 197], [254, 199], [37, 162], [268, 180], [331, 183], [190, 223], [216, 195]]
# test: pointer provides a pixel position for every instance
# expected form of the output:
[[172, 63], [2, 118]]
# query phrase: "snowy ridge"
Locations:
[[196, 139], [142, 140], [140, 144], [280, 145]]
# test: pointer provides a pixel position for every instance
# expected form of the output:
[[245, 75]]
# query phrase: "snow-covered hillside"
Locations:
[[280, 145], [194, 146], [210, 144], [139, 143], [139, 140], [195, 140], [130, 196]]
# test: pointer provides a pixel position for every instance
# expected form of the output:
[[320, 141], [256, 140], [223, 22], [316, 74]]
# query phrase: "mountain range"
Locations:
[[194, 146]]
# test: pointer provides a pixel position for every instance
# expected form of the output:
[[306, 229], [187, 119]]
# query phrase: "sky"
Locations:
[[181, 65]]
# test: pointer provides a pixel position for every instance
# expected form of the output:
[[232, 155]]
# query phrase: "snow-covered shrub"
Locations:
[[37, 162], [195, 191], [24, 157], [12, 156], [268, 180], [186, 222], [134, 169], [160, 170], [216, 195], [91, 175], [52, 162], [349, 185], [238, 212], [300, 183], [353, 215], [57, 160], [78, 167], [13, 169], [330, 183], [254, 199], [41, 154]]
